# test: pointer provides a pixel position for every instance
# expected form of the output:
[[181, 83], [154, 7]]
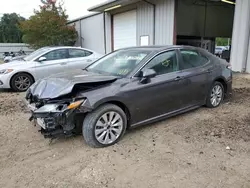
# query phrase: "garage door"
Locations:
[[124, 29]]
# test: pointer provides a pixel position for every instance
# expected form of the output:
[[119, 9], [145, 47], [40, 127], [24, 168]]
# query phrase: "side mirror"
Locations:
[[42, 59], [146, 74]]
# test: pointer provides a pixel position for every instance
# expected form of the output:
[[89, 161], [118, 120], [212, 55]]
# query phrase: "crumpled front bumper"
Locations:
[[53, 122], [56, 120]]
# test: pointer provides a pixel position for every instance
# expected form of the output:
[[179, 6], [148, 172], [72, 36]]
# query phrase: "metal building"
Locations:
[[123, 23]]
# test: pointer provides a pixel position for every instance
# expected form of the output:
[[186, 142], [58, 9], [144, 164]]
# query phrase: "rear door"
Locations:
[[79, 58], [56, 62], [195, 71]]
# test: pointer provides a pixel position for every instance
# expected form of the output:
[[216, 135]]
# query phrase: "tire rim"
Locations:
[[22, 83], [108, 128], [216, 95]]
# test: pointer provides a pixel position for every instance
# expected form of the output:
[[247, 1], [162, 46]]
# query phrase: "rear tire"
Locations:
[[215, 95], [104, 126], [21, 82]]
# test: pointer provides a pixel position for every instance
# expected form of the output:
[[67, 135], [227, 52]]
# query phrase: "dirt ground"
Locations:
[[203, 148]]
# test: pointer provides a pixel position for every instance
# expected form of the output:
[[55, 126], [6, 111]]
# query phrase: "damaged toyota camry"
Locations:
[[127, 88]]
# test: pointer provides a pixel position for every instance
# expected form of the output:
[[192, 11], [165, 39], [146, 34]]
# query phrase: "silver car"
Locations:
[[21, 74]]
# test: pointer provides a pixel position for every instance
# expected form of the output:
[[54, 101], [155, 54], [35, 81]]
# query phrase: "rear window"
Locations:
[[192, 59], [76, 53]]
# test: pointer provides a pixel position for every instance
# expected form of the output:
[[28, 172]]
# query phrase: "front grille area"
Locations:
[[54, 121], [50, 122]]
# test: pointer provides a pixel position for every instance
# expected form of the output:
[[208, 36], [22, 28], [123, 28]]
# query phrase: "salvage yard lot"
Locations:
[[186, 151]]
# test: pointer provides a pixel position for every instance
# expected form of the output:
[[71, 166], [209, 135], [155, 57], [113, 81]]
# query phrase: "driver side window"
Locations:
[[56, 55], [164, 63]]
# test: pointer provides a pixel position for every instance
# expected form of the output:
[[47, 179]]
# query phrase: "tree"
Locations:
[[222, 41], [48, 27], [9, 28]]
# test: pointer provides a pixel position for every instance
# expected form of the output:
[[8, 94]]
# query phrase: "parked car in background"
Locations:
[[219, 50], [8, 57], [127, 88], [22, 73]]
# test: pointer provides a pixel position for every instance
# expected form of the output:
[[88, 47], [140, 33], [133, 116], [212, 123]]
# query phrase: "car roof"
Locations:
[[157, 48], [64, 47]]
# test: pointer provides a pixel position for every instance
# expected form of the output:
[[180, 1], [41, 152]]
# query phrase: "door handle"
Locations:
[[178, 78], [209, 71]]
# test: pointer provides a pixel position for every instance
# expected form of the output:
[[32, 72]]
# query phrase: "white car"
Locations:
[[21, 74], [219, 50]]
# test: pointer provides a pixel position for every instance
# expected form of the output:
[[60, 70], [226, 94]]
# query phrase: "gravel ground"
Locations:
[[203, 148]]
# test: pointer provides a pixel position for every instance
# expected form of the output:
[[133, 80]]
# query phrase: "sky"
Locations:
[[75, 8]]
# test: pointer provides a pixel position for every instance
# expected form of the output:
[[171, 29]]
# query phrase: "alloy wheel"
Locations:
[[22, 83], [109, 127], [216, 95]]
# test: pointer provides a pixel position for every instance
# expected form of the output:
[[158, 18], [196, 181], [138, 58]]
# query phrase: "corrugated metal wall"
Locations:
[[145, 22], [164, 22], [108, 32], [240, 53], [93, 33], [160, 33], [164, 26]]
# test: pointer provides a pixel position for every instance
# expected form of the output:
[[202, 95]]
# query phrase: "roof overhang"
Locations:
[[232, 2], [229, 1], [111, 5], [114, 4]]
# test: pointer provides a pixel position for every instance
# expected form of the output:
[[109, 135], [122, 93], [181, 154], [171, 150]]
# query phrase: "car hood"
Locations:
[[63, 83], [12, 64]]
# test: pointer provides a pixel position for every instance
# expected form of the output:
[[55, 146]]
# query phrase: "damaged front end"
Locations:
[[57, 103], [58, 117]]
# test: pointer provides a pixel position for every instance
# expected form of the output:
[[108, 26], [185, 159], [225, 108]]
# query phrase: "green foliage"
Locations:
[[48, 27], [9, 28], [221, 41]]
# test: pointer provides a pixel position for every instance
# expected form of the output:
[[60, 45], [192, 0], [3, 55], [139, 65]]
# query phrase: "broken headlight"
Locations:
[[75, 104]]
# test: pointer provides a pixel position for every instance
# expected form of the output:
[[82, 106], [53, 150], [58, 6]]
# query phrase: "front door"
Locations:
[[56, 61], [161, 94]]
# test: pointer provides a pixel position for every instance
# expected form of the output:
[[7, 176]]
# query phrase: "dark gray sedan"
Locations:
[[127, 88]]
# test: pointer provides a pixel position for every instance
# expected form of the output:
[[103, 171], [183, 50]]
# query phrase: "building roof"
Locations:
[[111, 4], [82, 17]]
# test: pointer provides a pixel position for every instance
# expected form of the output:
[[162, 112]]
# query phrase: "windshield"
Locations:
[[35, 54], [119, 63]]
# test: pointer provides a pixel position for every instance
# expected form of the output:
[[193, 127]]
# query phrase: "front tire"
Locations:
[[104, 126], [215, 95], [21, 82]]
